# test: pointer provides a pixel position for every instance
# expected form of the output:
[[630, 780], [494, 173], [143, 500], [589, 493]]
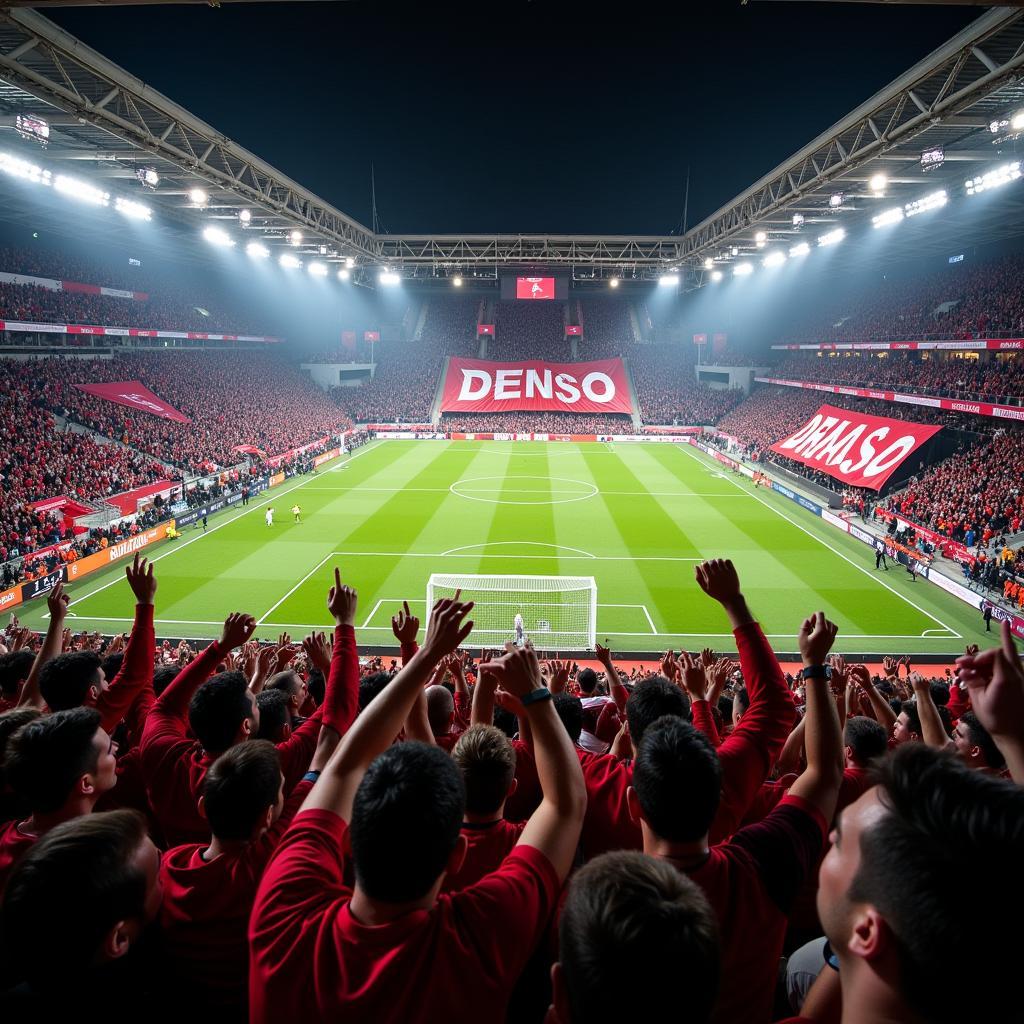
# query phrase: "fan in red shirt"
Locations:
[[59, 765], [14, 670], [391, 948], [752, 879]]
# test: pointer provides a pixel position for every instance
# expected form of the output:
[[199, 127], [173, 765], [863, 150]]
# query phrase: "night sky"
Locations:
[[515, 116]]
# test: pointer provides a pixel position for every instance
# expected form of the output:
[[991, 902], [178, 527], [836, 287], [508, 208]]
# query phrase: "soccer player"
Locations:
[[270, 516], [520, 630], [297, 512]]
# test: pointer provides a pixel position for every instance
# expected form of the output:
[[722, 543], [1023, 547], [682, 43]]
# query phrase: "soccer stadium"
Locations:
[[474, 549]]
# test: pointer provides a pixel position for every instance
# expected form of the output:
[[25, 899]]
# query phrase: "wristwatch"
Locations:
[[542, 693], [817, 672]]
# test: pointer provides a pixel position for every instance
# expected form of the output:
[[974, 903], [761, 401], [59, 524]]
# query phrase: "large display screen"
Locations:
[[535, 287]]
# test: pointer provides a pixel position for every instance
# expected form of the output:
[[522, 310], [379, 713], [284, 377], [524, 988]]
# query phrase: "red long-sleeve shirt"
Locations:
[[131, 691]]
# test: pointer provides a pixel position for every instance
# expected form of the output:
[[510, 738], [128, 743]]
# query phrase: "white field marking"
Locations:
[[523, 543], [373, 611], [654, 629], [576, 495], [520, 490], [320, 625], [927, 632], [227, 522], [567, 558], [274, 607], [826, 544]]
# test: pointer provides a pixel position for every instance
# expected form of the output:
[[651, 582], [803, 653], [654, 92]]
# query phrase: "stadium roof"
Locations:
[[111, 125]]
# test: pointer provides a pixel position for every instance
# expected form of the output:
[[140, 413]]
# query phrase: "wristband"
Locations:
[[543, 693], [817, 672], [311, 776]]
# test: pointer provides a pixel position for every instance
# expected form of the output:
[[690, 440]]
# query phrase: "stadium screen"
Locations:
[[932, 158], [534, 288]]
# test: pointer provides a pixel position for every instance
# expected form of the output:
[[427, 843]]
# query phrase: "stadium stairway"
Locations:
[[435, 406], [635, 401]]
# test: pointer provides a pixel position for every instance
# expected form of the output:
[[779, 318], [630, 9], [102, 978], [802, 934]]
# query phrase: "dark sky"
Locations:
[[518, 116]]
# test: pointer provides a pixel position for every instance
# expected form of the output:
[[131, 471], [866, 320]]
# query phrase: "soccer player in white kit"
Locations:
[[270, 517], [520, 631]]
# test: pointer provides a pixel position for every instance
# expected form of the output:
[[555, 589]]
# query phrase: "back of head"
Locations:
[[14, 669], [652, 699], [163, 677], [10, 722], [370, 687], [943, 816], [587, 681], [239, 787], [275, 714], [629, 916], [287, 682], [406, 818], [487, 761], [440, 705], [218, 709], [317, 686], [65, 681], [677, 777], [84, 874], [570, 710], [111, 664], [46, 758], [867, 739]]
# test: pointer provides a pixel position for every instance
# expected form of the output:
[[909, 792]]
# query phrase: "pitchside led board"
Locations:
[[533, 289]]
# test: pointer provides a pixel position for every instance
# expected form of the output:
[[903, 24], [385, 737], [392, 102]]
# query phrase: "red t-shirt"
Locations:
[[751, 882], [14, 844], [204, 916], [488, 844], [310, 959]]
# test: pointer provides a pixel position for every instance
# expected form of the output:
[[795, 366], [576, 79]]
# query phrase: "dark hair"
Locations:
[[652, 699], [587, 680], [678, 779], [939, 691], [913, 715], [371, 686], [981, 737], [487, 761], [218, 708], [317, 686], [406, 818], [239, 787], [285, 682], [943, 815], [111, 664], [570, 710], [742, 698], [506, 721], [163, 677], [65, 681], [83, 874], [14, 669], [46, 757], [867, 739], [274, 713], [627, 915], [10, 722]]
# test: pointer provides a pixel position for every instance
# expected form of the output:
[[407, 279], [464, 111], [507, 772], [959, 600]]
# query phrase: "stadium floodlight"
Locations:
[[1017, 121], [886, 217], [668, 280], [716, 275], [257, 250], [218, 236], [798, 220], [836, 200], [613, 282], [81, 190], [877, 183], [556, 613], [343, 274], [735, 250], [289, 262], [349, 262], [130, 208], [774, 259], [197, 197], [295, 238], [18, 168], [932, 201], [245, 216], [32, 126], [800, 250], [832, 237], [389, 277], [743, 269], [708, 263], [148, 177], [761, 239], [457, 281], [317, 269], [995, 178], [323, 250]]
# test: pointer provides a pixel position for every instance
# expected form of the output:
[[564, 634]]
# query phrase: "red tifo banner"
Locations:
[[859, 450], [135, 395], [477, 385], [484, 329], [573, 330]]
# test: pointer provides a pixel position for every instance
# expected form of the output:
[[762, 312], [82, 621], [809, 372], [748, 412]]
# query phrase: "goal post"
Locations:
[[558, 612]]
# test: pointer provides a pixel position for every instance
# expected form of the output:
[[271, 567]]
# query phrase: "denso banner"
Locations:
[[860, 450], [477, 385], [135, 395]]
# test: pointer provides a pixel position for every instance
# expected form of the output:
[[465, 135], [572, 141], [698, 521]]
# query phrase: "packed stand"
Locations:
[[668, 391], [535, 422], [529, 330], [607, 328], [288, 831]]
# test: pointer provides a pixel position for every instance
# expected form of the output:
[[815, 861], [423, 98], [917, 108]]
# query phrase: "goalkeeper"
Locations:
[[519, 630]]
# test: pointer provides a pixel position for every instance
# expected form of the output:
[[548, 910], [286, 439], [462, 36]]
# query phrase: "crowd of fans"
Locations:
[[998, 381], [287, 831], [535, 422], [530, 330], [668, 390]]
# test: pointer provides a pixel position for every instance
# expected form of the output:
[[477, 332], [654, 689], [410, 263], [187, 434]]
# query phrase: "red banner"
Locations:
[[860, 450], [136, 395], [476, 385], [573, 330], [700, 339], [535, 287], [371, 335], [484, 329]]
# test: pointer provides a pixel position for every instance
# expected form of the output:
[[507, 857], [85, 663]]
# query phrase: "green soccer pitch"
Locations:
[[637, 518]]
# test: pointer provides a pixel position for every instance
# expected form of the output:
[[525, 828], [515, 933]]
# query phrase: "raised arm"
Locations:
[[482, 709], [694, 680], [931, 724], [383, 718], [554, 828], [884, 715], [57, 603], [823, 739], [405, 626], [618, 692]]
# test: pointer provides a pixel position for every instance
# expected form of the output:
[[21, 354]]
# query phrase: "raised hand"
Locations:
[[707, 657], [517, 670], [995, 681], [891, 666], [604, 655], [318, 650], [691, 674], [141, 579], [559, 676], [669, 667], [815, 638], [341, 602], [405, 625], [238, 628], [446, 629], [57, 603], [718, 579]]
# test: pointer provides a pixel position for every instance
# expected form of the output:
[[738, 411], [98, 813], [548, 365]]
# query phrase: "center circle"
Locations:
[[493, 490]]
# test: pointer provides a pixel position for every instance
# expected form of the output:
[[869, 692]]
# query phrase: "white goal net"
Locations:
[[556, 612]]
